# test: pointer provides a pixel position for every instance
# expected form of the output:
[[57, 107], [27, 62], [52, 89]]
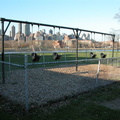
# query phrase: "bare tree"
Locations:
[[117, 32], [117, 16]]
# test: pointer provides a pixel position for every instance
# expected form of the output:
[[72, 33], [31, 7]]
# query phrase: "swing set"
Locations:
[[76, 32]]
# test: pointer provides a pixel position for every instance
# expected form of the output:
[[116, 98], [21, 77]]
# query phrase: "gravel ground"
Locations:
[[49, 84]]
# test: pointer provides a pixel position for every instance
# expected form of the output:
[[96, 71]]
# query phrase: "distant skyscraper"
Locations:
[[50, 31], [43, 30], [19, 27], [10, 34], [13, 31], [26, 29]]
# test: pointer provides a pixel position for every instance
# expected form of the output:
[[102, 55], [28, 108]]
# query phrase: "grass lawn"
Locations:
[[82, 107], [48, 57]]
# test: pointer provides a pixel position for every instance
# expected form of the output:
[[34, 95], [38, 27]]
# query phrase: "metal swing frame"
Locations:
[[76, 31]]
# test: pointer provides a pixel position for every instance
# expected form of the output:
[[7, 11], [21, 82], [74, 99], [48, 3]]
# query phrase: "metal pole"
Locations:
[[77, 36], [65, 56], [97, 75], [44, 59], [9, 64], [56, 26], [26, 83], [3, 71], [104, 42], [113, 46]]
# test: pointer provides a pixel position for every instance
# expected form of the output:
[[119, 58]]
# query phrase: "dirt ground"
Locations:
[[103, 71], [52, 83]]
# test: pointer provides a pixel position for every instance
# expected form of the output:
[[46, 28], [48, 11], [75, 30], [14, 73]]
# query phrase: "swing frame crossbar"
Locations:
[[76, 32], [55, 26]]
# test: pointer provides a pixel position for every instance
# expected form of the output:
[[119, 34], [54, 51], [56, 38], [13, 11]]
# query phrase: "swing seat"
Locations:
[[92, 55], [103, 55], [56, 56], [35, 57]]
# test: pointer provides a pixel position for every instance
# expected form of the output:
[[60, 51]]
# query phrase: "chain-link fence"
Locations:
[[38, 83]]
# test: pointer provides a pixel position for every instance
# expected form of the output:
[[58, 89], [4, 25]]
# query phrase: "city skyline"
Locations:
[[24, 30], [24, 38]]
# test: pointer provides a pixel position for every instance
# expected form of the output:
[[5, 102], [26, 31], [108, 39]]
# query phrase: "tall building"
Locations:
[[10, 35], [20, 28], [50, 31], [13, 32], [44, 31], [38, 36], [26, 29]]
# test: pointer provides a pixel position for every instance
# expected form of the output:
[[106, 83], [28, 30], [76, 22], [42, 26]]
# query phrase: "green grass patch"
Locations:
[[82, 107], [105, 93], [48, 57]]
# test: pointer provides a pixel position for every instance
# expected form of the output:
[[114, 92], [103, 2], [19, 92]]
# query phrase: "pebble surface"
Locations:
[[52, 83]]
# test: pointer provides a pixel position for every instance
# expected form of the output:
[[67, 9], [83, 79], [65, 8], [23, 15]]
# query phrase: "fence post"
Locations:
[[113, 40], [117, 62], [86, 56], [97, 75], [9, 63], [9, 57], [107, 61], [65, 56], [3, 57], [44, 59], [77, 50], [26, 82]]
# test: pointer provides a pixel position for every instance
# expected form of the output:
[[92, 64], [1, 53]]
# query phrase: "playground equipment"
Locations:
[[92, 55], [35, 57], [56, 56], [103, 55], [76, 32]]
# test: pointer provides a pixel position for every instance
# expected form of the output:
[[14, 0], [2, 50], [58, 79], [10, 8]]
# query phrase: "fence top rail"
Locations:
[[37, 52], [43, 63], [55, 26], [13, 64], [59, 51]]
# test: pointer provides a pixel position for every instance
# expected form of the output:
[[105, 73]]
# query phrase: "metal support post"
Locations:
[[76, 36], [44, 59], [9, 63], [26, 82], [107, 61], [3, 57], [3, 71], [77, 50], [113, 39], [97, 75], [65, 56]]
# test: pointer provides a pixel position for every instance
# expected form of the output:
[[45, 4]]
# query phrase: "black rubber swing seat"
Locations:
[[35, 57], [56, 56], [92, 55], [103, 55]]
